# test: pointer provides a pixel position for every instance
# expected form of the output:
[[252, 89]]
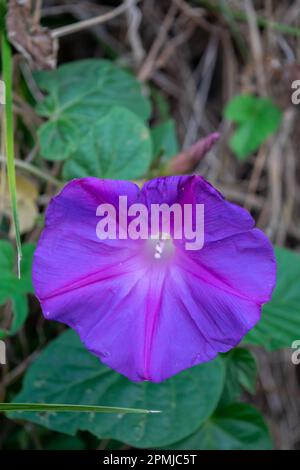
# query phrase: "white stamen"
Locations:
[[162, 245]]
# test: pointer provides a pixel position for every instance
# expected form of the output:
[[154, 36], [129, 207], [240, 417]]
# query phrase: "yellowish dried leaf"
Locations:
[[27, 193]]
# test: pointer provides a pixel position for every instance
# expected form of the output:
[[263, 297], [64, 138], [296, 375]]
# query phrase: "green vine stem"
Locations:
[[7, 72]]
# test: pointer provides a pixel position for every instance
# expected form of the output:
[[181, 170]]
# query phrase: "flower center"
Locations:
[[161, 245]]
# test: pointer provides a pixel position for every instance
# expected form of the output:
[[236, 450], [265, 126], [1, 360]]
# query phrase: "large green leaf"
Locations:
[[66, 372], [280, 323], [117, 146], [241, 372], [79, 93], [165, 142], [12, 288], [236, 427], [256, 119]]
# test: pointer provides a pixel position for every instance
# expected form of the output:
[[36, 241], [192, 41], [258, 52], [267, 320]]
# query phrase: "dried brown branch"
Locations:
[[84, 24]]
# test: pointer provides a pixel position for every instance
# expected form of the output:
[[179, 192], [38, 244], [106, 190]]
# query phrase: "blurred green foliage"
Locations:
[[255, 119], [12, 288]]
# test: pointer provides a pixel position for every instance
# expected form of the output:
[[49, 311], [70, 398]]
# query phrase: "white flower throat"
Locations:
[[163, 245]]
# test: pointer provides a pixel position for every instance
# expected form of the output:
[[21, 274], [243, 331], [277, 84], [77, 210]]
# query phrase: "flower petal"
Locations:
[[222, 218], [69, 251], [243, 264], [147, 318], [196, 321]]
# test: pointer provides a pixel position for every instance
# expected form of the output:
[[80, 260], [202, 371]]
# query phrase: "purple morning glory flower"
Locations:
[[149, 309]]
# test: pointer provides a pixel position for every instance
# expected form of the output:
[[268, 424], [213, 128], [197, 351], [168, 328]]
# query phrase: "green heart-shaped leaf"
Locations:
[[117, 146], [256, 119], [78, 94], [66, 372]]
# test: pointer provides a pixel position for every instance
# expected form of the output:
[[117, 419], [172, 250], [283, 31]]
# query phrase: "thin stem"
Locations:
[[43, 407], [34, 171], [78, 26], [9, 137]]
